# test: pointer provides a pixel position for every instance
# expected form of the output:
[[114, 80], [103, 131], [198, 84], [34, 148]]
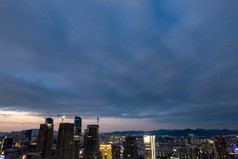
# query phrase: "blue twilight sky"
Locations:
[[166, 61]]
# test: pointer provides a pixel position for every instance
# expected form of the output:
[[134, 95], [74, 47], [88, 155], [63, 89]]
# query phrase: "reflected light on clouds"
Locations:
[[18, 120]]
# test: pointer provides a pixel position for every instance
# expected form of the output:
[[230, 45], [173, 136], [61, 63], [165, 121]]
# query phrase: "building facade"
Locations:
[[149, 143], [130, 148], [106, 150], [65, 141], [45, 139], [116, 151], [77, 136], [91, 143]]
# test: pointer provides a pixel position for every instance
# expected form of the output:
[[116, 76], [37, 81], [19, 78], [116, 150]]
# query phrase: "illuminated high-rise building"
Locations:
[[91, 143], [116, 151], [106, 151], [77, 125], [220, 147], [77, 136], [149, 143], [130, 148], [65, 141], [45, 139]]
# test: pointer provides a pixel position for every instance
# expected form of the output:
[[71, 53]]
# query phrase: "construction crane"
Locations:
[[48, 115], [64, 116]]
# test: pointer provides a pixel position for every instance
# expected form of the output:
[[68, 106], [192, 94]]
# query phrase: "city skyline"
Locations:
[[138, 65], [69, 144]]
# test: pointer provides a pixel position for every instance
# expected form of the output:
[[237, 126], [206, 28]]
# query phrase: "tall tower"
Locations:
[[45, 138], [77, 125], [91, 143], [220, 147], [149, 142], [77, 136], [130, 148], [65, 141]]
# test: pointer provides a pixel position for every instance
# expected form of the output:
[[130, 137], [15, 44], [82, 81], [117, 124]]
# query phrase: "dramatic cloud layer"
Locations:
[[167, 61]]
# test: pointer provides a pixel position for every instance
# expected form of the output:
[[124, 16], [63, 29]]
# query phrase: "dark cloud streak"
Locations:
[[168, 61]]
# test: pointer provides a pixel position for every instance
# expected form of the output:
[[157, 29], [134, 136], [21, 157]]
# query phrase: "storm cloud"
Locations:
[[170, 61]]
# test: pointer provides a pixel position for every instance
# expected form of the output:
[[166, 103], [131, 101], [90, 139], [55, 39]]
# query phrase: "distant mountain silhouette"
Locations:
[[177, 132]]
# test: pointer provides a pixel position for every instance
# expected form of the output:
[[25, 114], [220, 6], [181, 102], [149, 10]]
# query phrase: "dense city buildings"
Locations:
[[220, 147], [46, 143], [45, 139], [130, 148], [25, 138], [149, 142], [65, 141], [91, 143]]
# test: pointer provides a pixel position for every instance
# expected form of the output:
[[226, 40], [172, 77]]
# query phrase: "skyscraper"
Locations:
[[65, 141], [149, 143], [130, 148], [220, 147], [91, 143], [77, 136], [45, 139], [77, 125]]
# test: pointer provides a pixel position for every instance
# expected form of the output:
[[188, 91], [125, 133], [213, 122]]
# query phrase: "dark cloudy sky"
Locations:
[[167, 62]]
